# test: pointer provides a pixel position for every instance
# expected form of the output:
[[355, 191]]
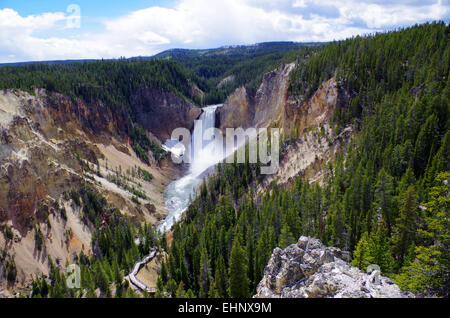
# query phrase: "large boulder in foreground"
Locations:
[[310, 269]]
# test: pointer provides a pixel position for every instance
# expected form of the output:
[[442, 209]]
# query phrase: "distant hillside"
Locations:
[[48, 62], [217, 72], [236, 50], [238, 65]]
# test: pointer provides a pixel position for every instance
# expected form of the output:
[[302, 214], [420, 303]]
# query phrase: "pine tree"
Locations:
[[213, 293], [205, 274], [405, 228], [171, 287], [338, 226], [190, 294], [380, 249], [159, 286], [117, 274], [362, 255], [238, 282], [440, 162], [180, 293], [425, 142], [286, 237], [221, 278], [163, 273], [384, 197], [101, 279], [428, 273], [184, 272]]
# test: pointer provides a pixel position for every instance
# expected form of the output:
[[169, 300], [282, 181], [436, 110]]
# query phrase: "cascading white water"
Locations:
[[179, 193]]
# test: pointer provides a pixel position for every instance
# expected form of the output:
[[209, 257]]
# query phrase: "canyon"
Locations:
[[52, 144]]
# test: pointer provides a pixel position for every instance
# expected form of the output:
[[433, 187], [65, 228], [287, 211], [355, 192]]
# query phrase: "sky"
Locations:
[[93, 29]]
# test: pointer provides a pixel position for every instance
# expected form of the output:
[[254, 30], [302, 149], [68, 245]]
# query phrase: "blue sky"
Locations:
[[94, 8], [93, 12], [46, 30]]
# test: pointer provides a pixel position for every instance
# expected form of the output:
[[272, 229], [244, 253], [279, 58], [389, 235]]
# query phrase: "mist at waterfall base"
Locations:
[[206, 153]]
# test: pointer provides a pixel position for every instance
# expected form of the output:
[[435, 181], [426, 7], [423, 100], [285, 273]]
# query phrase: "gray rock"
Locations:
[[309, 269]]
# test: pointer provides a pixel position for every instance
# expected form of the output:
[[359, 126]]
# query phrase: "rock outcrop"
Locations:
[[308, 269], [305, 114], [237, 111], [308, 155], [227, 80], [161, 112], [261, 110]]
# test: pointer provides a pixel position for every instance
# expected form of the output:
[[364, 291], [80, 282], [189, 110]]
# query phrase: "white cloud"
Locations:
[[208, 23], [377, 15]]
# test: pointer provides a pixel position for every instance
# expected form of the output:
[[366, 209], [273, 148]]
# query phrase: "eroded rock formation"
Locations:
[[161, 112], [308, 269], [261, 110], [50, 145]]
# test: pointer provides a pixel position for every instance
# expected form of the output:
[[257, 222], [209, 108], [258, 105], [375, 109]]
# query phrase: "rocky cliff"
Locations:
[[314, 143], [308, 269], [263, 109], [161, 112], [50, 145]]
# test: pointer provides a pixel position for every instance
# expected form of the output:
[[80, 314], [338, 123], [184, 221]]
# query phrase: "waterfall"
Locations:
[[204, 154]]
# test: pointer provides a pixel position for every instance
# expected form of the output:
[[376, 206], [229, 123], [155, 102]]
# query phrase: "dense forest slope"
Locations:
[[385, 198]]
